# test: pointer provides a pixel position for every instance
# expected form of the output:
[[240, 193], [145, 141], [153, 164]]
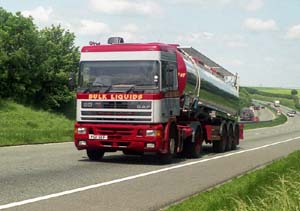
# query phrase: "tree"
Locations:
[[35, 65], [294, 92], [60, 58], [18, 38]]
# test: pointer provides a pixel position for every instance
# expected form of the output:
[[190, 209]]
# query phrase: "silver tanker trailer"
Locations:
[[154, 98]]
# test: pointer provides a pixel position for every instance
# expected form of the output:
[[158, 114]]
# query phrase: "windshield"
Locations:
[[137, 74]]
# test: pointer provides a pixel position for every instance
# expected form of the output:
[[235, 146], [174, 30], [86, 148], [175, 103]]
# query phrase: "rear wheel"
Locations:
[[230, 138], [236, 138], [95, 155], [219, 146]]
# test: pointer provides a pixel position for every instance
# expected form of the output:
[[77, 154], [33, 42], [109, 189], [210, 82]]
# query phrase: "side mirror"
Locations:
[[72, 82]]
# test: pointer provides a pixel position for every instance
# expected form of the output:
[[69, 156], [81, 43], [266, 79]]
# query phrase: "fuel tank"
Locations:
[[207, 82]]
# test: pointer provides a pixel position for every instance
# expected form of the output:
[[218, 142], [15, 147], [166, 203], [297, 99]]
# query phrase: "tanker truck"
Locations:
[[154, 98]]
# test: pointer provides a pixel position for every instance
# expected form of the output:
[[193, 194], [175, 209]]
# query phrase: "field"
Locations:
[[276, 187], [276, 90], [24, 125], [272, 94]]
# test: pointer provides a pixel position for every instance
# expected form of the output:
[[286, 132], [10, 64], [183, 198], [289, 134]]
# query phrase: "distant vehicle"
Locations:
[[293, 112], [290, 114], [247, 114], [257, 107], [277, 103]]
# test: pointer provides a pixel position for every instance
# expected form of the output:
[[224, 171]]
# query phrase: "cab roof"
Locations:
[[130, 47]]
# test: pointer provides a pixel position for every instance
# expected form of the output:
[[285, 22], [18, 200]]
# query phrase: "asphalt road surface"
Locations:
[[264, 114], [57, 177]]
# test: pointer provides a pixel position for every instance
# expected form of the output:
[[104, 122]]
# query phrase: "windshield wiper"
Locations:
[[96, 88], [108, 88], [132, 88]]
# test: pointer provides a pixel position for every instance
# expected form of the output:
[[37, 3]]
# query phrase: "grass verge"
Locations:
[[276, 90], [23, 125], [275, 187]]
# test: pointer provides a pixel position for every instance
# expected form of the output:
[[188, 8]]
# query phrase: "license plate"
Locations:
[[98, 137]]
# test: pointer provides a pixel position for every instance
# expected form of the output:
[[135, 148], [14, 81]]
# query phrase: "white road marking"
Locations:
[[41, 198]]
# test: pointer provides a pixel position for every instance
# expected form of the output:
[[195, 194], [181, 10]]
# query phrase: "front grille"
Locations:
[[115, 119], [122, 105], [115, 133], [114, 113]]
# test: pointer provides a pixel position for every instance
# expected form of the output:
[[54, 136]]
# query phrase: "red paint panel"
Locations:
[[130, 47], [115, 138], [241, 131], [116, 96], [182, 75], [208, 129]]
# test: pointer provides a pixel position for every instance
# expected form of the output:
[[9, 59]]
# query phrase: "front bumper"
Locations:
[[114, 137]]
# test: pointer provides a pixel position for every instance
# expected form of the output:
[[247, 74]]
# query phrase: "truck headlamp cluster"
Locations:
[[81, 130], [156, 133]]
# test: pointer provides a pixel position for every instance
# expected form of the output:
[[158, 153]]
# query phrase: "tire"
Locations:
[[194, 149], [230, 139], [95, 155], [219, 146], [235, 138], [172, 145]]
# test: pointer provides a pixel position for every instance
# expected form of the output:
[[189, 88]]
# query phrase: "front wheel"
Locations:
[[95, 155], [172, 146]]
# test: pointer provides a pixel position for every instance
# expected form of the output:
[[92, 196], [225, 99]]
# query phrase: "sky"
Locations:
[[258, 39]]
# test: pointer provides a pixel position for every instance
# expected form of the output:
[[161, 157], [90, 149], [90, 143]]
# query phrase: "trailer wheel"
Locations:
[[219, 146], [95, 155], [194, 149], [172, 146], [236, 138], [230, 139]]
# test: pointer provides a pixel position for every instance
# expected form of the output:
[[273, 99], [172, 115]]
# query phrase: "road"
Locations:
[[57, 177], [264, 114]]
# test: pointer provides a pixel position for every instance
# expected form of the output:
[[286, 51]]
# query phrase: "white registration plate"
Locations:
[[97, 137]]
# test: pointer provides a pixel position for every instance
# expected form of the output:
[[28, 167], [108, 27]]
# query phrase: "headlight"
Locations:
[[153, 133], [81, 130]]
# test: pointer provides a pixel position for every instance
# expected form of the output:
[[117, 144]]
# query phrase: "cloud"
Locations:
[[234, 41], [269, 59], [255, 24], [130, 28], [236, 44], [236, 63], [195, 37], [136, 7], [204, 3], [249, 5], [129, 32], [89, 27], [254, 5], [293, 32], [39, 13]]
